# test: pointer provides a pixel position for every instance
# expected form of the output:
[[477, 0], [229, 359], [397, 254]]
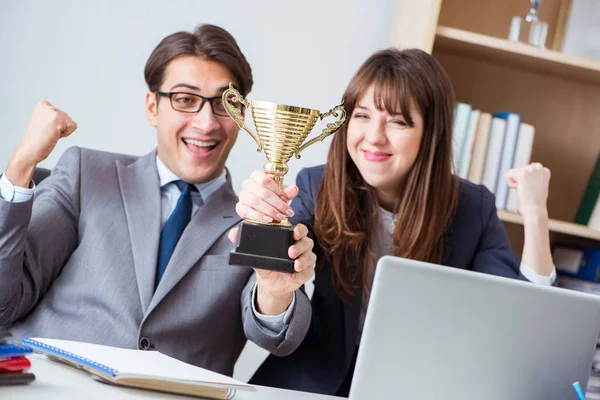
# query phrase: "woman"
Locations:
[[388, 188]]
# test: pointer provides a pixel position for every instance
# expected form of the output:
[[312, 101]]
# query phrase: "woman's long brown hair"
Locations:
[[346, 211]]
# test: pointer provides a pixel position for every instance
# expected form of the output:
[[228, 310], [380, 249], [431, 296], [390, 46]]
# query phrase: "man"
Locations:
[[132, 251]]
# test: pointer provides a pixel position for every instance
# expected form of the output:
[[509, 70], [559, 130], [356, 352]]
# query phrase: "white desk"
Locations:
[[54, 381]]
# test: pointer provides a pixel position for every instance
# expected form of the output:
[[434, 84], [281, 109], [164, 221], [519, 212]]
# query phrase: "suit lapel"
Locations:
[[207, 225], [140, 190]]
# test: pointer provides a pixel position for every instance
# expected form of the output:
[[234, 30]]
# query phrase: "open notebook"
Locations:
[[141, 369]]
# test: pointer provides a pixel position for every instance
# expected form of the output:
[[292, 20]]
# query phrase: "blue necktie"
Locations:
[[174, 227]]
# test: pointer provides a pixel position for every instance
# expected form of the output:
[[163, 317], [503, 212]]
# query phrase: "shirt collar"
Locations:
[[206, 189]]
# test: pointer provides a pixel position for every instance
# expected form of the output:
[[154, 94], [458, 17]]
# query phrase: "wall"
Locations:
[[583, 24], [88, 58], [89, 62]]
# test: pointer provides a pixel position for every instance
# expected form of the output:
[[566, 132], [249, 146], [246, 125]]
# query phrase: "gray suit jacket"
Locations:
[[79, 261]]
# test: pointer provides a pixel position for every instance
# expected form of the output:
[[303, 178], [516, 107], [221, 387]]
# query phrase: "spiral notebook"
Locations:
[[140, 369]]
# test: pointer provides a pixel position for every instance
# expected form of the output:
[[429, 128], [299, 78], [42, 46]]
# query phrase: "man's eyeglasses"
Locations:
[[192, 103]]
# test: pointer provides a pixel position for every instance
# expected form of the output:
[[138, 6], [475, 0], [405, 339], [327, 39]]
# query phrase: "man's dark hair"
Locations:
[[209, 42]]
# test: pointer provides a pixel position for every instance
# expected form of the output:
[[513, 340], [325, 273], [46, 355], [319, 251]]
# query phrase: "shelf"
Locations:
[[567, 228], [519, 55]]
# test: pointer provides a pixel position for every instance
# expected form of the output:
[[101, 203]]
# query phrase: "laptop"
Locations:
[[435, 332]]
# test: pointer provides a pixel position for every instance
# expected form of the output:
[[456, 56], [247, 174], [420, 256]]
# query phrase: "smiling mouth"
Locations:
[[376, 156], [200, 149], [209, 145]]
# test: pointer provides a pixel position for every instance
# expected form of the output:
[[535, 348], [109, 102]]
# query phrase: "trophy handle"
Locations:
[[340, 113], [233, 95]]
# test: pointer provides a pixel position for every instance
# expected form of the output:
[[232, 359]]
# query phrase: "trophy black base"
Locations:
[[263, 247]]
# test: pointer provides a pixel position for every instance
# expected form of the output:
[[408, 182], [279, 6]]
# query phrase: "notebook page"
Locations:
[[142, 363]]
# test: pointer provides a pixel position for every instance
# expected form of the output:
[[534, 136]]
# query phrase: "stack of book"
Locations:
[[13, 361], [486, 146]]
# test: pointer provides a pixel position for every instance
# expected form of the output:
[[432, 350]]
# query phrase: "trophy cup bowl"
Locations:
[[281, 132]]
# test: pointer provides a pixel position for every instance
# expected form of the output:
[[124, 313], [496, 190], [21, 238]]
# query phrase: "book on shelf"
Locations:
[[467, 150], [150, 370], [480, 145], [494, 154], [460, 125], [508, 153], [590, 197], [522, 158], [594, 222]]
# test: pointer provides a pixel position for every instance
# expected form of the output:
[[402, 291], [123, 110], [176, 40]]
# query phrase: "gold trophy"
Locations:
[[281, 133]]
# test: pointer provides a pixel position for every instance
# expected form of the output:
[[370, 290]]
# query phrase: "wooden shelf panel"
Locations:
[[493, 17], [567, 228], [491, 49]]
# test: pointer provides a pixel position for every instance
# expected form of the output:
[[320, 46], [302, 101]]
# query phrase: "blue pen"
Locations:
[[578, 391]]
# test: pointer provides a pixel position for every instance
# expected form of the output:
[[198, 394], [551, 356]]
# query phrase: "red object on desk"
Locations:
[[19, 364]]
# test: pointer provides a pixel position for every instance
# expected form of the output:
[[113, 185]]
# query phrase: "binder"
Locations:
[[9, 350]]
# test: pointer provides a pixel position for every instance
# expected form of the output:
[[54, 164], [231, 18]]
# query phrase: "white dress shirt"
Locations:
[[15, 194]]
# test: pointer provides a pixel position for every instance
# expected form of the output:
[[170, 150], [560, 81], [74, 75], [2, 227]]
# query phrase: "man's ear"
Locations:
[[152, 108]]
